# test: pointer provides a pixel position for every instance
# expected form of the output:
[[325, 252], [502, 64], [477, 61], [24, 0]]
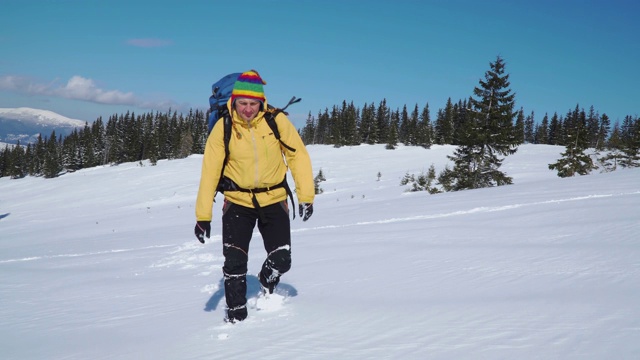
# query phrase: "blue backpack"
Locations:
[[221, 92]]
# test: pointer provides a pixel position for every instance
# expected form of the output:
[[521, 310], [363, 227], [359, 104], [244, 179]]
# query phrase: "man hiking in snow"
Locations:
[[253, 180]]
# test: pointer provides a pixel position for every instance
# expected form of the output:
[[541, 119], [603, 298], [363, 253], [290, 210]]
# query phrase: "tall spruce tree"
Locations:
[[542, 131], [322, 127], [309, 130], [529, 126], [369, 125], [518, 130], [593, 127], [574, 160], [52, 161], [444, 125], [335, 122], [487, 134], [349, 131], [18, 168], [383, 119], [460, 115], [403, 126], [554, 135], [603, 132], [424, 136], [392, 138], [630, 142]]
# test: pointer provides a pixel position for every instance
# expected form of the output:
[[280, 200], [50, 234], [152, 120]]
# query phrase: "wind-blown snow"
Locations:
[[103, 264]]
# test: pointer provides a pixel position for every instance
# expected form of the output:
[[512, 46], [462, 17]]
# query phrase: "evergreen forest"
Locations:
[[486, 127]]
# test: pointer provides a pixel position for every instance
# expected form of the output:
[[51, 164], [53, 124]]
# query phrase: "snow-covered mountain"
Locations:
[[24, 124], [4, 145]]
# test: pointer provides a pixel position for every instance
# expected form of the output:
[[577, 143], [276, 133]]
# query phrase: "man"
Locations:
[[255, 189]]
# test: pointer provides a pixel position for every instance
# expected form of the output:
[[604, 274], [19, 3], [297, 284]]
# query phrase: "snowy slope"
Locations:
[[102, 264]]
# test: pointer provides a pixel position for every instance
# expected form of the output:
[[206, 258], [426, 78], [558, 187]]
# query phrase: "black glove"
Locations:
[[203, 228], [306, 210]]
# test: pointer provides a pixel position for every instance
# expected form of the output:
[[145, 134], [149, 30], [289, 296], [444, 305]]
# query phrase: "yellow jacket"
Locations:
[[255, 161]]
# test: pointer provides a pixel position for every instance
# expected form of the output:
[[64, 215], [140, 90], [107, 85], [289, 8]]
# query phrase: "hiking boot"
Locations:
[[268, 287], [236, 315]]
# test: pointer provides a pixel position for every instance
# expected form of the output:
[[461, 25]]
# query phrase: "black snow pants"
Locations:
[[238, 223]]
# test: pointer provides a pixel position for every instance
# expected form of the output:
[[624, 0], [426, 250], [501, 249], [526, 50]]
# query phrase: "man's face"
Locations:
[[247, 108]]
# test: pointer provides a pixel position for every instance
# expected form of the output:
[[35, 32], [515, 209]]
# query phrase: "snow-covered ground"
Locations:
[[103, 264]]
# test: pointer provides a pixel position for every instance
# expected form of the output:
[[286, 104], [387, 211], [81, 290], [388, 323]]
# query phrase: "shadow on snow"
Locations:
[[253, 289]]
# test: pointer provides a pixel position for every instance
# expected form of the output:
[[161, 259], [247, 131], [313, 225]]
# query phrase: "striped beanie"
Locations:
[[248, 85]]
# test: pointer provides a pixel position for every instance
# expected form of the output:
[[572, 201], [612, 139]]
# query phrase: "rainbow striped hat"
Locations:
[[248, 85]]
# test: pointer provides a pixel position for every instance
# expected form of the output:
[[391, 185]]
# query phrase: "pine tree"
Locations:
[[186, 143], [554, 135], [99, 144], [335, 122], [369, 125], [489, 133], [392, 138], [383, 119], [52, 162], [175, 137], [424, 136], [614, 155], [518, 130], [39, 154], [349, 124], [603, 132], [71, 152], [430, 181], [630, 142], [5, 162], [444, 125], [412, 127], [529, 129], [201, 135], [323, 128], [542, 131], [574, 160], [18, 163], [317, 180], [593, 127], [403, 127], [89, 158], [308, 133]]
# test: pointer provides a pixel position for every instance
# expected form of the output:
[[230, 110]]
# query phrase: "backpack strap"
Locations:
[[226, 123], [270, 116]]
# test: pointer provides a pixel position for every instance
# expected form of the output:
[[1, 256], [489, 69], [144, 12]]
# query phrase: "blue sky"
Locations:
[[86, 58]]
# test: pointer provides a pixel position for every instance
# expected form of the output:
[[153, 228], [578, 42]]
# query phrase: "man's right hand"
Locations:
[[203, 228]]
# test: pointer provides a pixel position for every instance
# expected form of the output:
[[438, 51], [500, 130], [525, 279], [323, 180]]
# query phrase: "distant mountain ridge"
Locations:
[[25, 124]]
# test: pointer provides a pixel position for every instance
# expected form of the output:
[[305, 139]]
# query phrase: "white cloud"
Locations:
[[79, 88]]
